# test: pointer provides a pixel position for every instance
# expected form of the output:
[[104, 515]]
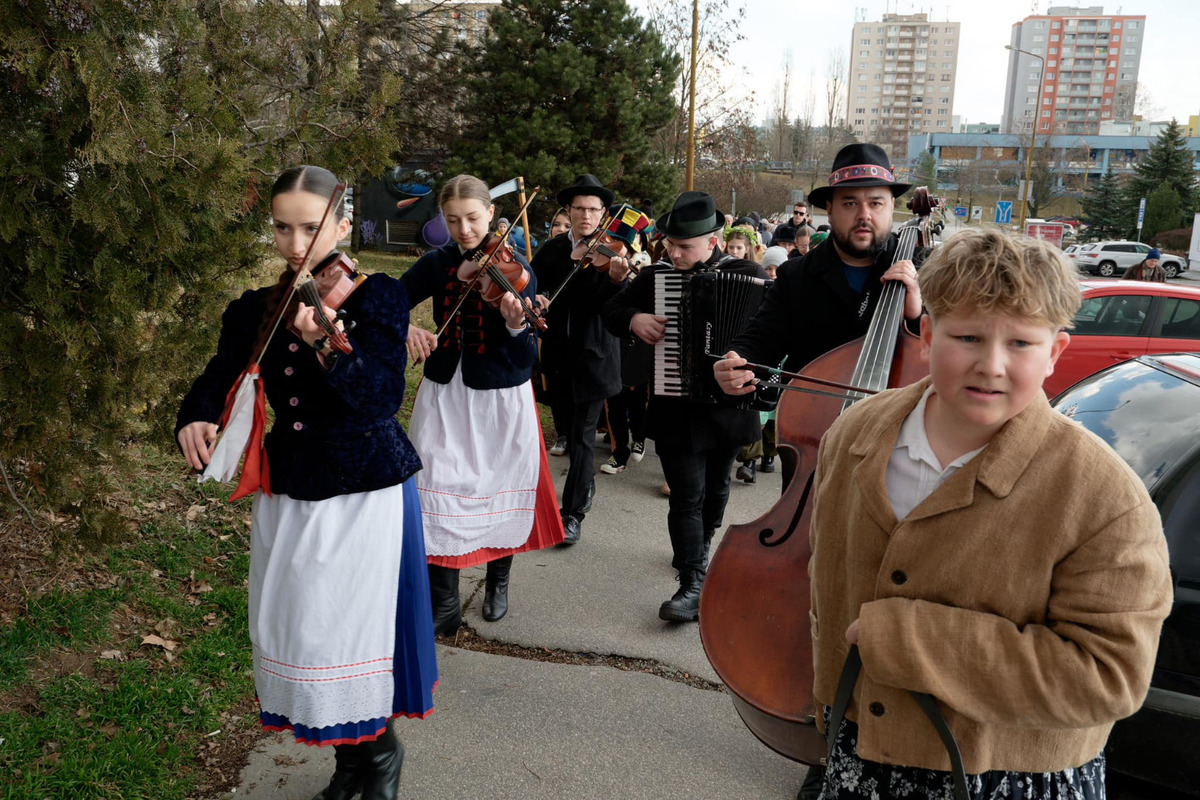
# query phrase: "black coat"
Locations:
[[578, 354], [811, 308], [492, 358], [679, 425], [335, 430]]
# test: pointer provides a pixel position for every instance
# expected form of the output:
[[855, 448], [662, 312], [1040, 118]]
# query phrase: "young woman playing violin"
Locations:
[[333, 590], [486, 490]]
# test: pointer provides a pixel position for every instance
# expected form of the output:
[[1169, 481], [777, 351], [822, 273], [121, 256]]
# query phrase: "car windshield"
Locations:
[[1140, 411]]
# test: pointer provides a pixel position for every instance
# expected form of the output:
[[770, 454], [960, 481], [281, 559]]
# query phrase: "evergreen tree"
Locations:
[[926, 172], [1163, 211], [561, 88], [1104, 210], [1170, 160], [137, 141]]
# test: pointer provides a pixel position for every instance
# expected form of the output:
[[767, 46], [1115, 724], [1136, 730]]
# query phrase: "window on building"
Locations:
[[941, 123], [864, 53], [1033, 76], [1051, 64], [1116, 38], [866, 30], [1033, 87], [1047, 101], [1133, 24], [943, 112], [944, 89], [860, 111], [1049, 76], [944, 101], [1045, 113], [1030, 101], [1055, 24], [864, 41], [1054, 37], [1126, 76], [862, 89], [1049, 89], [1039, 24], [1108, 101], [1112, 76], [1037, 38], [1131, 51], [1108, 89]]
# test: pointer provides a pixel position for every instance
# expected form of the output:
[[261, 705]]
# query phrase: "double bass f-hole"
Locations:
[[764, 536]]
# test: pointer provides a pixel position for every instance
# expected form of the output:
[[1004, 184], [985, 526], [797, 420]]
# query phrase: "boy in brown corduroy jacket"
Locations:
[[981, 548]]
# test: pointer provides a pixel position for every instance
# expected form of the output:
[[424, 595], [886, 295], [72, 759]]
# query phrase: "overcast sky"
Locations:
[[1170, 68]]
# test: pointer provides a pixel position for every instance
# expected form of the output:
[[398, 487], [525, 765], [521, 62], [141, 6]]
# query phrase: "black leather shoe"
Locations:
[[587, 503], [495, 594], [447, 608], [382, 762], [347, 780], [684, 605], [745, 472], [767, 465], [571, 530]]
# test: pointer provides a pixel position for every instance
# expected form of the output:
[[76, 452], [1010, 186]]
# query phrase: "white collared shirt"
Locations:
[[913, 471]]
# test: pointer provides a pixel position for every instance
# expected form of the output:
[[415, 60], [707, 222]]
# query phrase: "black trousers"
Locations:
[[580, 429], [699, 490], [627, 417]]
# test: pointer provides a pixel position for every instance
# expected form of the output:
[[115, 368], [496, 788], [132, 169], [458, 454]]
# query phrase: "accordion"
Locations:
[[704, 311]]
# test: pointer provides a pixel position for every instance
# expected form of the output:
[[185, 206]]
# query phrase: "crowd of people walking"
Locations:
[[360, 529]]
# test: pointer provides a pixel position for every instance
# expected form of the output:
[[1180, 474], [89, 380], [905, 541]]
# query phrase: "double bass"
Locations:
[[755, 605]]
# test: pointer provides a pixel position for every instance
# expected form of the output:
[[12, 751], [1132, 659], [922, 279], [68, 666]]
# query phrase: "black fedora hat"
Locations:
[[585, 184], [857, 166], [694, 214]]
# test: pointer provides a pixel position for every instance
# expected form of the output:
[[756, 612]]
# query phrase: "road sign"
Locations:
[[1141, 212], [977, 213], [960, 212], [1004, 212]]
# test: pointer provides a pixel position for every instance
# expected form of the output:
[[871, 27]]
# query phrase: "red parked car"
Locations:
[[1120, 320]]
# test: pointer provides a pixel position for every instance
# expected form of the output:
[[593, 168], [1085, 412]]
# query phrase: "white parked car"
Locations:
[[1107, 259]]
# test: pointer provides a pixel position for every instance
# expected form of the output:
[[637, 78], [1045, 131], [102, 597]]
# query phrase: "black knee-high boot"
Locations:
[[495, 595], [348, 774], [443, 591], [382, 760]]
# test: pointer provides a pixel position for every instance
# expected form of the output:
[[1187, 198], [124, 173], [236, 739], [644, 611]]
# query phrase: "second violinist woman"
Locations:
[[334, 591], [486, 491]]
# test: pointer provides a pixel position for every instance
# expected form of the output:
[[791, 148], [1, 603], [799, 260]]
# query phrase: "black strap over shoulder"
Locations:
[[841, 701]]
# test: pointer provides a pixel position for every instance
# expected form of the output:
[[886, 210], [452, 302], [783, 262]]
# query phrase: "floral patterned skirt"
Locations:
[[849, 777]]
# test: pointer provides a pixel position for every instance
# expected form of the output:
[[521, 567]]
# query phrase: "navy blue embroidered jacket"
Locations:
[[335, 430], [492, 358]]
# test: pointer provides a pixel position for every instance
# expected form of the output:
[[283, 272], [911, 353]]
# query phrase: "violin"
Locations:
[[598, 248], [494, 271], [755, 604], [328, 286]]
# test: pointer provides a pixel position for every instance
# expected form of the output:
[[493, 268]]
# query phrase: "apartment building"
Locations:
[[1079, 68], [901, 79]]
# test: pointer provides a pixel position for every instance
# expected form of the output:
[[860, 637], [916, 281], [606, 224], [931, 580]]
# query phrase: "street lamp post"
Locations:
[[1037, 113]]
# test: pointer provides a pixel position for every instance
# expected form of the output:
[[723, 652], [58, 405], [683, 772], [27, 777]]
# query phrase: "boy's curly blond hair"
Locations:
[[989, 272]]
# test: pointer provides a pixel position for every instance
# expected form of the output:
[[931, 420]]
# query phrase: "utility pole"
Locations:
[[691, 148]]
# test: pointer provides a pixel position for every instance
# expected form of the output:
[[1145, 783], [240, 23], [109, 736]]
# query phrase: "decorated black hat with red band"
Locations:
[[858, 166]]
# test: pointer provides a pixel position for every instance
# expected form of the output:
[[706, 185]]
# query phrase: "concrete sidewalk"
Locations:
[[512, 728]]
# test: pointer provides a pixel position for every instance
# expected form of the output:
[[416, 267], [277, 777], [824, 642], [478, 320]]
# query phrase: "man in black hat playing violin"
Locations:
[[828, 297], [696, 442], [580, 358]]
